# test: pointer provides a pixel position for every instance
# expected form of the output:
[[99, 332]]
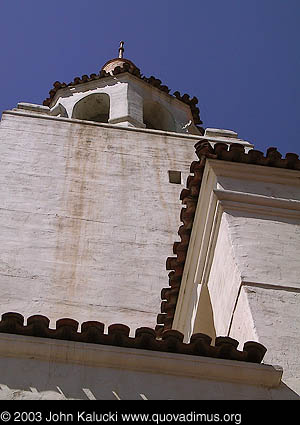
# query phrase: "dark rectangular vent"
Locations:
[[174, 176]]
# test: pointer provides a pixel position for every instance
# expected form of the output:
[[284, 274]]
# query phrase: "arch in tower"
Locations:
[[94, 107], [157, 117]]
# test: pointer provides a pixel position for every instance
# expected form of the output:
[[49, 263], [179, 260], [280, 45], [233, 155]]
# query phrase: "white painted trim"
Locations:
[[33, 107], [128, 119], [229, 141], [198, 249], [253, 172], [266, 205], [19, 346]]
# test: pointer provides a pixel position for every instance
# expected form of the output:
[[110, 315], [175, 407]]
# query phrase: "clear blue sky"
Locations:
[[240, 58]]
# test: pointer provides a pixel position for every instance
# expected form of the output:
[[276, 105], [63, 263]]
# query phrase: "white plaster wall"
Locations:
[[135, 105], [242, 325], [254, 287], [87, 218], [267, 248], [275, 322], [118, 94], [224, 280], [267, 308]]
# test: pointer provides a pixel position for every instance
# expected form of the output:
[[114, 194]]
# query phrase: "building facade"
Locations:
[[90, 209]]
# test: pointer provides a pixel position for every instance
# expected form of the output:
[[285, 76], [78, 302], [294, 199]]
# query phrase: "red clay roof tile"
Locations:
[[145, 338]]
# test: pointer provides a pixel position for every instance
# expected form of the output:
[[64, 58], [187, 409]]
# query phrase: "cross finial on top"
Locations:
[[121, 49]]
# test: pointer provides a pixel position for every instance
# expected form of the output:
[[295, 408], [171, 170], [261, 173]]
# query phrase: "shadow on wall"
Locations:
[[37, 380]]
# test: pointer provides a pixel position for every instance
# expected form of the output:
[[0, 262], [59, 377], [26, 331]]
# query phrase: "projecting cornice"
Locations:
[[266, 205], [92, 355], [225, 178]]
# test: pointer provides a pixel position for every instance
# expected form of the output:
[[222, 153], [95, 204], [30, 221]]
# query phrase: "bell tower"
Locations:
[[120, 95]]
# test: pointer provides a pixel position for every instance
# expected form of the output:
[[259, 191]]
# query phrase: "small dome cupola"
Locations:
[[120, 62]]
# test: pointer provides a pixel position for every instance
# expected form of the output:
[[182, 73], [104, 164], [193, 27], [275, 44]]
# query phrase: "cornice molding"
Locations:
[[264, 205], [253, 172], [19, 346]]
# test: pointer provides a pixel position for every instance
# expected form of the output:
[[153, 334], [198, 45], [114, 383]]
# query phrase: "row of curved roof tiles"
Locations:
[[145, 338]]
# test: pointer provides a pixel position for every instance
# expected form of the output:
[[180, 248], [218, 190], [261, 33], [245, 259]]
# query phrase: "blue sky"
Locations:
[[240, 58]]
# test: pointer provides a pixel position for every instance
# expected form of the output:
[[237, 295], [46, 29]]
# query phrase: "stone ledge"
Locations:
[[35, 114], [19, 346], [40, 109]]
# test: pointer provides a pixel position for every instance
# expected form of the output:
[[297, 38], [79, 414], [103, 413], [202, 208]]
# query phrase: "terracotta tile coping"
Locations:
[[145, 338]]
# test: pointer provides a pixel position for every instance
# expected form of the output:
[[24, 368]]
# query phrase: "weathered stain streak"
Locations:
[[77, 204]]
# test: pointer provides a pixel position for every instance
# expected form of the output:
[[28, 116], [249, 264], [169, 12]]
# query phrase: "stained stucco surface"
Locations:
[[87, 218]]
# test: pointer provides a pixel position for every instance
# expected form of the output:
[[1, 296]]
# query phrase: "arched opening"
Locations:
[[94, 107], [157, 117]]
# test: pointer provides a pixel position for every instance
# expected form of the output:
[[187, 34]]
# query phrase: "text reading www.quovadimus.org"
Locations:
[[82, 416]]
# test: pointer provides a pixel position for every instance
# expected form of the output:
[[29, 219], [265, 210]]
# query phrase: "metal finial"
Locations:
[[121, 49]]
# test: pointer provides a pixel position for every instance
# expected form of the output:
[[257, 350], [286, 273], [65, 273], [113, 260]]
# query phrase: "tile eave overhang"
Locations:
[[170, 341]]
